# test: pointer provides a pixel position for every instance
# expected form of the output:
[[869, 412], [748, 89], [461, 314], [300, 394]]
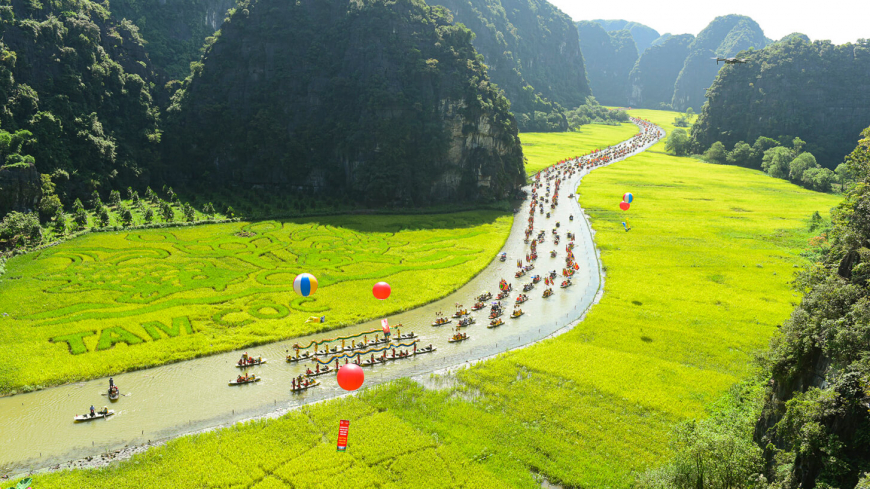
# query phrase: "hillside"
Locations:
[[724, 37], [377, 102], [652, 79], [76, 81], [644, 36], [818, 91], [531, 51], [609, 59]]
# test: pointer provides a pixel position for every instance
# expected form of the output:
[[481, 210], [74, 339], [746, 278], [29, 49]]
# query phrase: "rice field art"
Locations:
[[111, 302]]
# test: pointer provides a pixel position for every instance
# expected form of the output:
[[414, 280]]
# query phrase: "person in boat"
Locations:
[[111, 383], [308, 371], [92, 410], [293, 384], [306, 382], [317, 368], [105, 411]]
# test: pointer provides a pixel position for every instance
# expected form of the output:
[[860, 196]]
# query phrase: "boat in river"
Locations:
[[566, 284], [478, 306], [522, 298], [495, 323], [96, 415], [458, 337], [247, 379], [250, 362], [484, 297], [114, 393], [406, 336], [466, 322], [548, 293], [517, 313], [442, 321], [303, 387], [315, 373], [460, 313], [301, 357]]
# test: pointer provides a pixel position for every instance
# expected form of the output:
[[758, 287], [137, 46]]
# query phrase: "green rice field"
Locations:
[[104, 303], [698, 284], [543, 149]]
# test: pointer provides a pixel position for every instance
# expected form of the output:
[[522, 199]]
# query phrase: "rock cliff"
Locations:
[[653, 76], [20, 188], [383, 102]]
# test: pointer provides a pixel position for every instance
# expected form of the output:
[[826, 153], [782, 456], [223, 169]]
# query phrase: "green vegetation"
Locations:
[[790, 89], [609, 58], [643, 35], [695, 288], [532, 53], [75, 309], [593, 113], [545, 149], [653, 76], [323, 120]]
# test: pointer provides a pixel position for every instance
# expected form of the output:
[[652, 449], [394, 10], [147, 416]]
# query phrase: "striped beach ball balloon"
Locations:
[[628, 198], [305, 284]]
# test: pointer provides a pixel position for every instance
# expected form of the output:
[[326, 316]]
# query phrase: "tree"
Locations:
[[115, 199], [25, 227], [95, 201], [678, 142], [761, 145], [189, 213], [231, 212], [150, 196], [130, 193], [126, 216], [798, 145], [741, 155], [80, 217], [60, 222], [104, 216], [716, 153], [167, 212], [208, 209], [776, 161], [799, 165], [681, 121], [134, 197], [149, 215], [817, 178], [77, 205]]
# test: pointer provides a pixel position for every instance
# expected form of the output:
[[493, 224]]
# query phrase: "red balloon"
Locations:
[[624, 205], [350, 377], [381, 290]]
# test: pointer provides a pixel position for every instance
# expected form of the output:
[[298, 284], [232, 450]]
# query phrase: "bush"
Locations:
[[741, 155], [678, 142], [776, 162], [799, 165], [716, 154], [25, 227]]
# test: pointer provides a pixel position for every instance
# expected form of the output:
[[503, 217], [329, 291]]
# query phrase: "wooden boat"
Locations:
[[302, 356], [250, 380], [314, 373], [502, 295], [380, 341], [566, 284], [478, 306], [458, 338], [466, 322], [495, 323], [495, 314], [406, 336], [303, 387], [502, 257], [528, 287], [259, 361], [426, 349], [97, 415], [522, 298], [369, 362], [536, 279], [519, 274], [484, 297], [459, 314], [114, 393], [442, 322], [553, 253], [548, 293], [516, 314]]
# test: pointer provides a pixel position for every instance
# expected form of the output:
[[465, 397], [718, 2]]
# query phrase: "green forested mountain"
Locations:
[[724, 37], [531, 52], [609, 59], [174, 30], [817, 91], [643, 35], [77, 81], [384, 102], [652, 79]]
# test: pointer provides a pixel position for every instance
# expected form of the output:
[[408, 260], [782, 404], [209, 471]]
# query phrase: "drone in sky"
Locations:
[[730, 61]]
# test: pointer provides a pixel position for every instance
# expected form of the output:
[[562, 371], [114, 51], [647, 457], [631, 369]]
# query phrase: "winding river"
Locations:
[[191, 396]]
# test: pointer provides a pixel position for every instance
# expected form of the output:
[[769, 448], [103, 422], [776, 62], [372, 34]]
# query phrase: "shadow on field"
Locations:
[[393, 223]]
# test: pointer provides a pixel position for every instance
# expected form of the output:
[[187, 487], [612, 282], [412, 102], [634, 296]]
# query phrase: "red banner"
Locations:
[[342, 434]]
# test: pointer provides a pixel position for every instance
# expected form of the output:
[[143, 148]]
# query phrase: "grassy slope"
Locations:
[[127, 279], [685, 305], [543, 149]]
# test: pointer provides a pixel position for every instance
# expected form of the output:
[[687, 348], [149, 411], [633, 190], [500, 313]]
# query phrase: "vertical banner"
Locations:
[[385, 325], [342, 435]]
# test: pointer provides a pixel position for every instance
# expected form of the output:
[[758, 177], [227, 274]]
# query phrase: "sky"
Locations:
[[839, 21]]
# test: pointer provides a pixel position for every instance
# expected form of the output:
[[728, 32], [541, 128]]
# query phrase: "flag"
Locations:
[[343, 426]]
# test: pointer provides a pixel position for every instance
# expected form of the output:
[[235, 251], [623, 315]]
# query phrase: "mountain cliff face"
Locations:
[[609, 59], [724, 37], [19, 188], [652, 79], [643, 36], [175, 30], [78, 80], [818, 91], [380, 101], [531, 51]]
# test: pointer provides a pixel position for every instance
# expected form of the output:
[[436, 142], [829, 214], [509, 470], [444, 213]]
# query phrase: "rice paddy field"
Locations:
[[543, 149], [699, 283], [108, 302]]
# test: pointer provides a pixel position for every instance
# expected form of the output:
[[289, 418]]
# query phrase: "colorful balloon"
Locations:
[[381, 290], [305, 284], [350, 377], [624, 205], [628, 197]]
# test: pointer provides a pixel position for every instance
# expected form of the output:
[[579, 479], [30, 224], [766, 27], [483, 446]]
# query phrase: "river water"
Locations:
[[190, 396]]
